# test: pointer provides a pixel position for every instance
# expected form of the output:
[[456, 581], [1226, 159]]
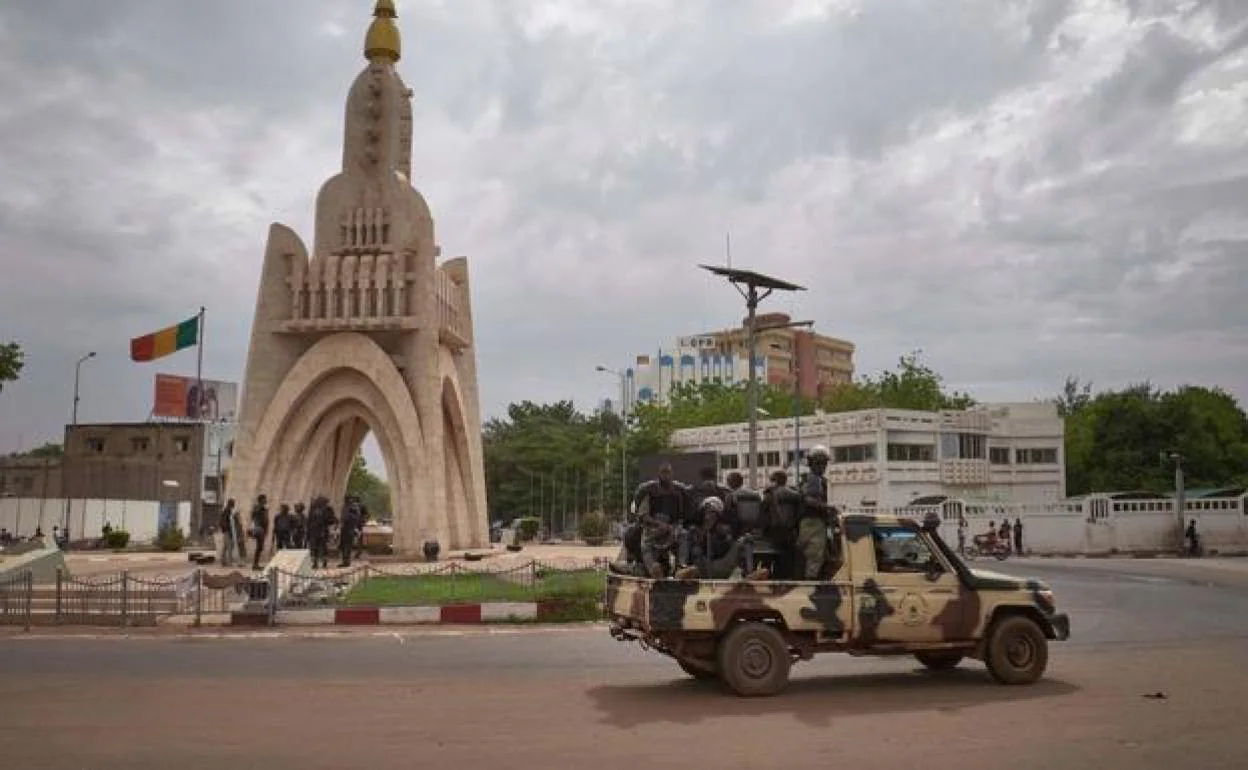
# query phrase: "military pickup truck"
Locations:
[[895, 588]]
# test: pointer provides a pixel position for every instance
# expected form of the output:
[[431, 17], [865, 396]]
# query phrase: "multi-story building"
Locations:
[[783, 356], [1008, 453], [24, 476]]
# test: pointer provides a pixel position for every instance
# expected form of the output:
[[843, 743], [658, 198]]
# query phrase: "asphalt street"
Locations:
[[527, 697]]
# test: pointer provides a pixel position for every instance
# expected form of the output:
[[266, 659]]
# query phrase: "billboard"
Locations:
[[686, 466], [180, 398]]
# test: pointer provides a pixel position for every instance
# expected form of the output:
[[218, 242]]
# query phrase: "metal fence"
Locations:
[[120, 599], [15, 599]]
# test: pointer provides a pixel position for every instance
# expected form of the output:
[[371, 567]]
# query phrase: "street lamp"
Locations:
[[1180, 492], [623, 441], [77, 377], [753, 282]]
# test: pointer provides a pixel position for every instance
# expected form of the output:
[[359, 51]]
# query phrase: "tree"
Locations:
[[1119, 440], [912, 385], [49, 450], [12, 359], [374, 493]]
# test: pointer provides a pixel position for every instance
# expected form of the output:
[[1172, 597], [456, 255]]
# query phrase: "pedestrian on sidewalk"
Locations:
[[259, 528], [226, 525], [1018, 536]]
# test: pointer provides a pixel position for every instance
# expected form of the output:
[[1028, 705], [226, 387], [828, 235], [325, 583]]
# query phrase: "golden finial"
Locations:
[[383, 35]]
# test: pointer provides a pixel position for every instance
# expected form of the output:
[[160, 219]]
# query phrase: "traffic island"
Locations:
[[553, 596]]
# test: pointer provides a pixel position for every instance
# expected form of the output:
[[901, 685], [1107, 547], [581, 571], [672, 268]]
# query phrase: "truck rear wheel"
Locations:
[[698, 669], [939, 660], [1017, 651], [754, 660]]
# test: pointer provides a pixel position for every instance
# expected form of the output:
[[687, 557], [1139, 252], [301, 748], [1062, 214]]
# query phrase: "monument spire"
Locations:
[[382, 40]]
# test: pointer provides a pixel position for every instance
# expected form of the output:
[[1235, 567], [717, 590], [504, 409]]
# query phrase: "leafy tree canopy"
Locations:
[[12, 359], [1120, 440], [374, 493]]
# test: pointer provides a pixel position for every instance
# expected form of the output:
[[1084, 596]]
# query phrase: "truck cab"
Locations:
[[892, 587]]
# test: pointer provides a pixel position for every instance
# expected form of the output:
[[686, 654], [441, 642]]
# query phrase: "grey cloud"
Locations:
[[1000, 184]]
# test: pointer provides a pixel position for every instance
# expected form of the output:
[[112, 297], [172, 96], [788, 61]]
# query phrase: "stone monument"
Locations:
[[370, 332]]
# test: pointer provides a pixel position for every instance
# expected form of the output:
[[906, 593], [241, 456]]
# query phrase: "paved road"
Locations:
[[528, 697]]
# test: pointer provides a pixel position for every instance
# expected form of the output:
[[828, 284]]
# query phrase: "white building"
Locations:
[[999, 453]]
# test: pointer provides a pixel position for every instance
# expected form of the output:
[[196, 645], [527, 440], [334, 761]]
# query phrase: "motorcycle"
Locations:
[[988, 545]]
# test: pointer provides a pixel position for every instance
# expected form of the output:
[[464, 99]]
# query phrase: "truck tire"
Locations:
[[939, 660], [754, 660], [704, 672], [1017, 651]]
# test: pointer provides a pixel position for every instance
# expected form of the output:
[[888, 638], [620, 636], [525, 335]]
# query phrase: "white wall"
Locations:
[[86, 517]]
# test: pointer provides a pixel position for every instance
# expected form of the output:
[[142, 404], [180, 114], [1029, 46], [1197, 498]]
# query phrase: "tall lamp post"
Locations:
[[623, 442], [752, 283], [1180, 492], [77, 378]]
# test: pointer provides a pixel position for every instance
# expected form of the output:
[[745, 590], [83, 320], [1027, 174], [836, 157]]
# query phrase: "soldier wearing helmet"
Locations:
[[715, 551], [815, 515]]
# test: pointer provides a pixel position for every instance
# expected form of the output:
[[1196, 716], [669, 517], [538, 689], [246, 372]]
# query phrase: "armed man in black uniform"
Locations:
[[781, 508]]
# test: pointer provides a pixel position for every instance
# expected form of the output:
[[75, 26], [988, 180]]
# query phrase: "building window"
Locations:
[[963, 446], [729, 462], [1036, 456], [911, 453], [857, 453], [999, 455], [768, 459], [140, 444], [95, 444], [182, 443]]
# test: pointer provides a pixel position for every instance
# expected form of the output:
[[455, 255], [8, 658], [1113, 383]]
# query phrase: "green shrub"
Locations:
[[527, 527], [593, 527], [117, 539], [171, 539]]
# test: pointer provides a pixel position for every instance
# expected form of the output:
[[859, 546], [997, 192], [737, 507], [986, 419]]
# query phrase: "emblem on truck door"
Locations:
[[913, 610]]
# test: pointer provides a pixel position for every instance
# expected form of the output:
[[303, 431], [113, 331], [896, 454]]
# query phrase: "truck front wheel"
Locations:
[[754, 660], [1017, 651]]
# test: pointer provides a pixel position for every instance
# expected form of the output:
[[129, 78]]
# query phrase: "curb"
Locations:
[[450, 614]]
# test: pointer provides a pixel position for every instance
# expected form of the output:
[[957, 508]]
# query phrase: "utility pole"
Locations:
[[623, 435]]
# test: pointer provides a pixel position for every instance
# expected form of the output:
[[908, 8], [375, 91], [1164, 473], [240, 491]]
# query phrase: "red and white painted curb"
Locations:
[[458, 614]]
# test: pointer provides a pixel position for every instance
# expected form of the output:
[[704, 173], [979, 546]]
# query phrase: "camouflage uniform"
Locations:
[[812, 527]]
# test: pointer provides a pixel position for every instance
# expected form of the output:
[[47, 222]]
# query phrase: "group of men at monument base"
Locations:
[[708, 530], [314, 530]]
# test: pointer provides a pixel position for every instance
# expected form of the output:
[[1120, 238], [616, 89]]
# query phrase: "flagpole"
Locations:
[[199, 369]]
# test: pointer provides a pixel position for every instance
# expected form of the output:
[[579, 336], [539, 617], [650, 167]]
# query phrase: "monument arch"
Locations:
[[369, 333]]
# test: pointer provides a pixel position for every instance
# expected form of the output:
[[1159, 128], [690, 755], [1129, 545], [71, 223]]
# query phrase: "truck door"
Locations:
[[907, 593]]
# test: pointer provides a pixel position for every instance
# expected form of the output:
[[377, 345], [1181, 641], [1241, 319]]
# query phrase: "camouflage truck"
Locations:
[[896, 588]]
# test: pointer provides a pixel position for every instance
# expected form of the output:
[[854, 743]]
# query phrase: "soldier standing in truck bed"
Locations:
[[813, 521]]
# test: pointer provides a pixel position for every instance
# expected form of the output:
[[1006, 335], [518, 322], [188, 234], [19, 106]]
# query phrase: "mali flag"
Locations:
[[160, 344]]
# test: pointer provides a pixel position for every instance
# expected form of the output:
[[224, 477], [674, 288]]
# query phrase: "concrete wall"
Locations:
[[1047, 530], [21, 515]]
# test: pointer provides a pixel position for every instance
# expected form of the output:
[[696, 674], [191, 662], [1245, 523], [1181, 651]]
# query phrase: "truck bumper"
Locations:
[[1060, 622]]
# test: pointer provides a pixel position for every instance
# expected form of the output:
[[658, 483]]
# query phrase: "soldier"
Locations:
[[662, 505], [815, 515], [300, 534], [716, 552], [351, 524], [707, 487], [259, 527], [320, 519], [283, 526], [778, 525]]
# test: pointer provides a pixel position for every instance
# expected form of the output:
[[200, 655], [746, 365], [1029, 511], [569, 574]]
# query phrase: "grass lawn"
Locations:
[[433, 590]]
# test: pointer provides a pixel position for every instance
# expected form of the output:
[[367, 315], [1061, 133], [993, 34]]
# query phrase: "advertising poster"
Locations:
[[180, 397]]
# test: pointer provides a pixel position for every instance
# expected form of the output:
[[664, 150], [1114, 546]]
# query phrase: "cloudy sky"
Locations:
[[1022, 189]]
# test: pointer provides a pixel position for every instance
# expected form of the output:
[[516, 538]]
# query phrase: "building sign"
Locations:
[[699, 342], [181, 398]]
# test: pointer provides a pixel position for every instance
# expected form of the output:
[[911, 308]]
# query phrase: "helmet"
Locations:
[[712, 505], [818, 452]]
